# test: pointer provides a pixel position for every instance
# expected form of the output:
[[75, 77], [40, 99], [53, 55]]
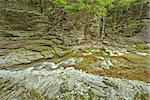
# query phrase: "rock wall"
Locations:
[[22, 20]]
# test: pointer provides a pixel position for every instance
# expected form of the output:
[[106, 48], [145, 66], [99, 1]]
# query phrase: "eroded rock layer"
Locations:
[[60, 84]]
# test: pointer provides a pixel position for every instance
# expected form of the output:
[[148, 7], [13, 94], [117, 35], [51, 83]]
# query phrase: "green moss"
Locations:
[[142, 46], [67, 98], [71, 55], [137, 59], [36, 95], [37, 47], [145, 96], [141, 96], [83, 97], [90, 98]]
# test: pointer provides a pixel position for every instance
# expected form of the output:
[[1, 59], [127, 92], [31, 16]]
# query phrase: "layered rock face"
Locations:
[[31, 83], [22, 20]]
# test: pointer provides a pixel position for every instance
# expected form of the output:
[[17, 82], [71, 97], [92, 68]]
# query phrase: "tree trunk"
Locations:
[[100, 28], [103, 28], [86, 28], [31, 2], [42, 6], [86, 32]]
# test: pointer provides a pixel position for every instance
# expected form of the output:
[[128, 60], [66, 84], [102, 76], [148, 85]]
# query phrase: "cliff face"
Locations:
[[22, 20], [27, 16], [144, 34]]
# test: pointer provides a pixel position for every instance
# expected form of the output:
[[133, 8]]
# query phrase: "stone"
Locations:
[[71, 61], [67, 62], [119, 53], [101, 93], [46, 65], [109, 63], [100, 58], [47, 54], [19, 57], [143, 53], [70, 68], [112, 54], [69, 83], [105, 63], [87, 54]]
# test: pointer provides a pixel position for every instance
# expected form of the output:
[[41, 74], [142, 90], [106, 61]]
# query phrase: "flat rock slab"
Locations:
[[30, 83], [19, 57]]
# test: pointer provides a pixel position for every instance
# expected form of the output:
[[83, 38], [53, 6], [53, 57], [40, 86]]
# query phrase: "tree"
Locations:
[[88, 8], [100, 8]]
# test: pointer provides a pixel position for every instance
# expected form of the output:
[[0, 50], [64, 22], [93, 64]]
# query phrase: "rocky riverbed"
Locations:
[[83, 72], [41, 64]]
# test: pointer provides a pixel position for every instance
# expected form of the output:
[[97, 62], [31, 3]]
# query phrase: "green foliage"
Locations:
[[126, 17], [60, 2], [142, 46], [125, 2], [122, 16], [99, 7], [96, 6]]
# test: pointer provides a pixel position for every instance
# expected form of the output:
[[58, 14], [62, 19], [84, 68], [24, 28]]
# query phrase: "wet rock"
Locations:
[[46, 65], [52, 66], [70, 62], [143, 53]]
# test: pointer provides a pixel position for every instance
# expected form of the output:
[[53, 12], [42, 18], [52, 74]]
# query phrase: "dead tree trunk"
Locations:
[[42, 6], [103, 28]]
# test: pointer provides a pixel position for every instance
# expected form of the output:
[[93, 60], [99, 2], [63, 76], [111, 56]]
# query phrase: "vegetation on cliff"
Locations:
[[95, 19]]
